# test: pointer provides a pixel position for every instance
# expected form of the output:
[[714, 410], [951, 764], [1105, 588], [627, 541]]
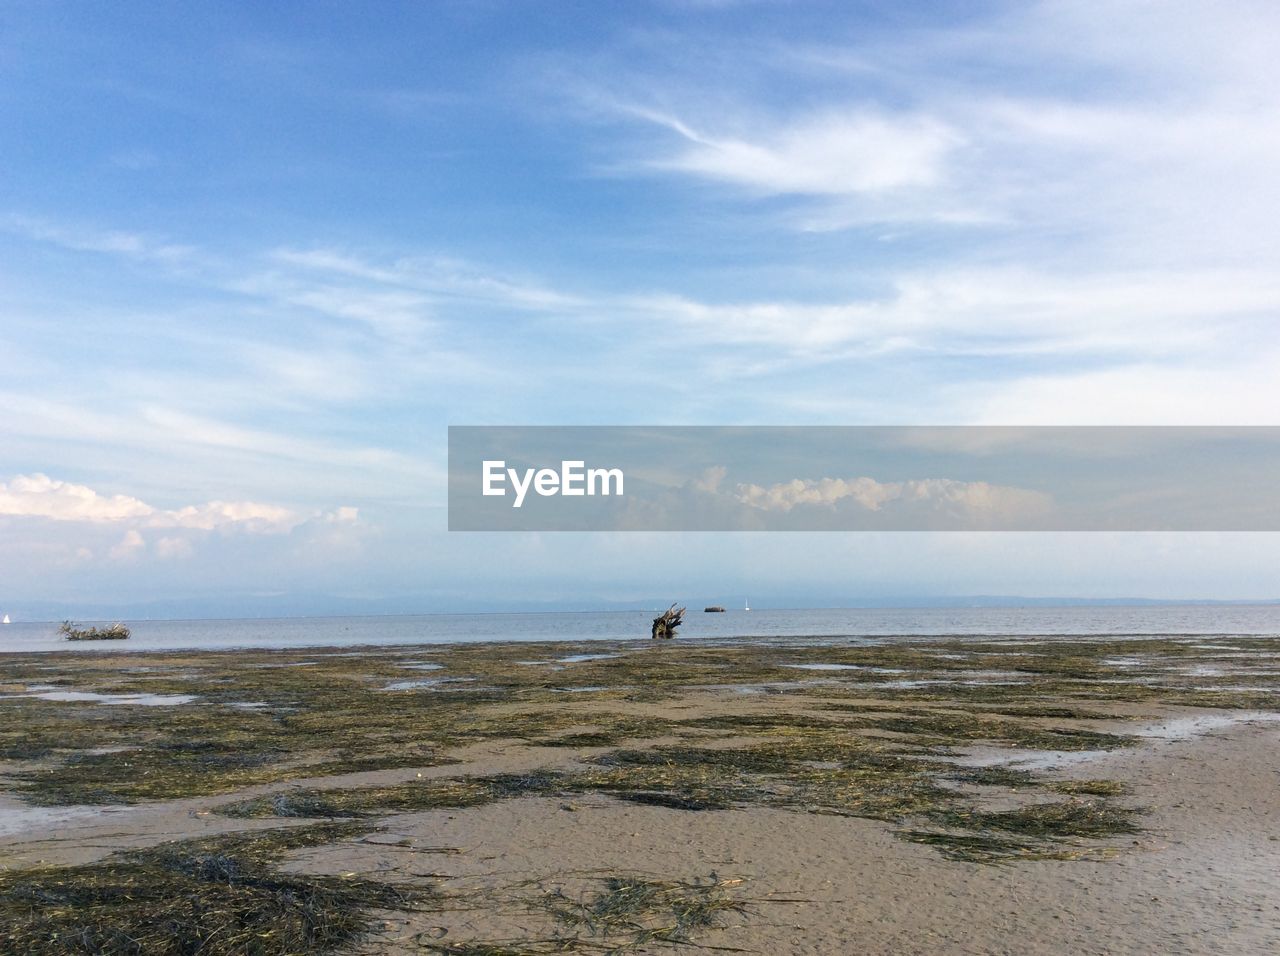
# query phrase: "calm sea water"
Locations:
[[856, 623]]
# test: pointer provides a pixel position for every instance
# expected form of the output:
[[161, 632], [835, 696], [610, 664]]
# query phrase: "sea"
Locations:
[[829, 624]]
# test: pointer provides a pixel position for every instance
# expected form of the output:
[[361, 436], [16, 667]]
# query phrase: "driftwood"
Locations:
[[664, 626], [114, 632]]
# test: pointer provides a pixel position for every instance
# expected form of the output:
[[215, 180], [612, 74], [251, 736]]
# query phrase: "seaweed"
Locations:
[[215, 896], [623, 913]]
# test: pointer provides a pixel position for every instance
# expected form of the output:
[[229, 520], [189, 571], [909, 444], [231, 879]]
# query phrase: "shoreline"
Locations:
[[901, 624]]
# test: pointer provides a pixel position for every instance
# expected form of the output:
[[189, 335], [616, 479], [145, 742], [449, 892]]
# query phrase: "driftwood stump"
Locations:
[[664, 626]]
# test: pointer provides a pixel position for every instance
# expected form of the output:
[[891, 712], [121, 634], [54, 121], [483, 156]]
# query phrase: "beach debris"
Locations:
[[112, 632], [665, 624]]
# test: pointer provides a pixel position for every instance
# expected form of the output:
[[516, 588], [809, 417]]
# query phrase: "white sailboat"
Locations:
[[746, 604], [6, 620]]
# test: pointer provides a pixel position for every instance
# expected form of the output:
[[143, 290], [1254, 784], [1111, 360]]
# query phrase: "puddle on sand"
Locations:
[[1185, 728], [1175, 728], [18, 817], [1125, 662], [846, 667], [578, 658], [770, 687], [1030, 759], [287, 664], [585, 690], [426, 682], [85, 696], [1200, 670], [421, 666]]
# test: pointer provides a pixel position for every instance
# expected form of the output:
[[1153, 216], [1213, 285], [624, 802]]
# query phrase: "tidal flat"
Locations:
[[796, 795]]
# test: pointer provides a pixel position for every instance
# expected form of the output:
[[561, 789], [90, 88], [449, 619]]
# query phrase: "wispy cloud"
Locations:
[[857, 152], [999, 312], [132, 245], [1087, 121]]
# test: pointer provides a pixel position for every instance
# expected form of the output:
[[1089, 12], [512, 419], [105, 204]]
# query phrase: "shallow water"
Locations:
[[859, 625]]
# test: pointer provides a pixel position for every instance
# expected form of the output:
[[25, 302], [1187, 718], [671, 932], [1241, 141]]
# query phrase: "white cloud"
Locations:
[[130, 546], [917, 496], [997, 312], [1094, 130], [709, 481], [39, 496], [1242, 391], [441, 277], [250, 516], [859, 151], [344, 515]]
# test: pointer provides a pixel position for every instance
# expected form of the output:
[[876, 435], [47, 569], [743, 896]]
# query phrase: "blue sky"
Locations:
[[255, 259]]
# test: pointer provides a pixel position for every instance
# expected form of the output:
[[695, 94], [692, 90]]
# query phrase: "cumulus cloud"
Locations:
[[344, 515], [709, 481], [39, 496], [130, 546], [248, 515], [862, 503], [918, 498]]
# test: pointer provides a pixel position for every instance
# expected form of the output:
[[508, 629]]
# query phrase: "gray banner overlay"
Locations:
[[958, 478]]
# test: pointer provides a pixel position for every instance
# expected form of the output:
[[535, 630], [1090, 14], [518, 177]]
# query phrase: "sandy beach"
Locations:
[[1048, 796]]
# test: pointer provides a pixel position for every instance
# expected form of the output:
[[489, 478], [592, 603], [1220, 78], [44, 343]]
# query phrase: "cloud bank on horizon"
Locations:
[[251, 266]]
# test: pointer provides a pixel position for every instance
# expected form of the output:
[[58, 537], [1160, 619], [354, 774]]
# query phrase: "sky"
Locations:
[[255, 259]]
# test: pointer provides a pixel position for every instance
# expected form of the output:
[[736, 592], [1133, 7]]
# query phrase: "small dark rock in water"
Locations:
[[713, 609], [664, 626], [113, 632]]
